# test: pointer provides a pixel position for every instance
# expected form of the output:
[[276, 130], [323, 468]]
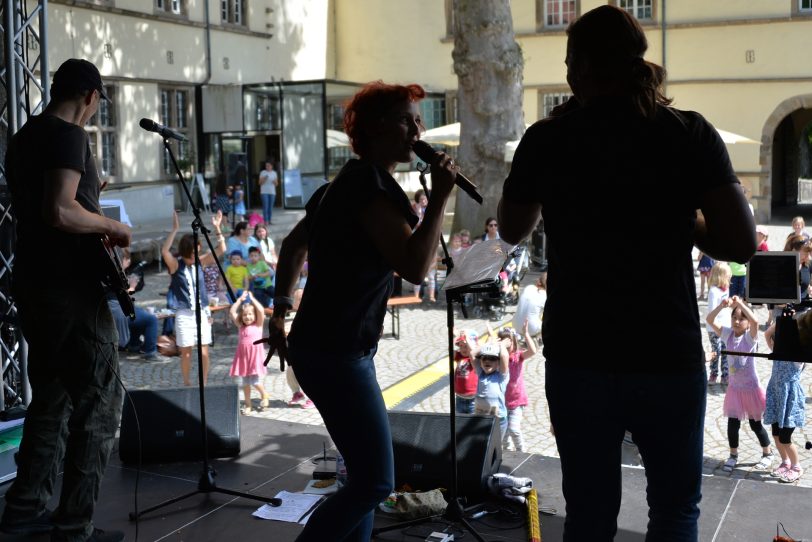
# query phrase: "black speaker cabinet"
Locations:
[[423, 451], [171, 428]]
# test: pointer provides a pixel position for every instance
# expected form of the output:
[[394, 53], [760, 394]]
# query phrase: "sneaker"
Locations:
[[730, 463], [766, 462], [308, 404], [297, 399], [97, 536], [791, 475], [779, 472], [40, 524], [151, 357]]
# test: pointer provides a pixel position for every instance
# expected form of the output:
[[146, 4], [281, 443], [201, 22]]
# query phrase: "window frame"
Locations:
[[100, 134], [541, 15], [648, 20], [799, 11], [563, 92], [230, 10], [167, 7], [169, 111]]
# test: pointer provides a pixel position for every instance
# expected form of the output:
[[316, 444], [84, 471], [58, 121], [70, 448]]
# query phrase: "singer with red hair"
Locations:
[[357, 230]]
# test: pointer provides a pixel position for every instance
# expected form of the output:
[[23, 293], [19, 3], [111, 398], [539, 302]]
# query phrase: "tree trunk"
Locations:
[[489, 67]]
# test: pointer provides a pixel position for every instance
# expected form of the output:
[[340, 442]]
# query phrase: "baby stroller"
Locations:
[[492, 305]]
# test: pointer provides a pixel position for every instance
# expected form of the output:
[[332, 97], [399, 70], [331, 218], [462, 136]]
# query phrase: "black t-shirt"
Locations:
[[348, 281], [46, 143], [618, 188]]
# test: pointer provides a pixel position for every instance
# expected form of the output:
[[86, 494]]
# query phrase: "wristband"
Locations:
[[283, 300]]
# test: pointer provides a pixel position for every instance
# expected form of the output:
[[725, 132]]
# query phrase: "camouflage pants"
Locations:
[[75, 408]]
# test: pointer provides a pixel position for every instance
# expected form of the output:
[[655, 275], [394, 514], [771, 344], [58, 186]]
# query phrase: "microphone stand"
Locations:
[[455, 509], [206, 483]]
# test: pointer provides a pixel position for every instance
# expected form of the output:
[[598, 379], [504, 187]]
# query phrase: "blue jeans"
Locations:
[[267, 206], [590, 412], [463, 405], [345, 390], [145, 324]]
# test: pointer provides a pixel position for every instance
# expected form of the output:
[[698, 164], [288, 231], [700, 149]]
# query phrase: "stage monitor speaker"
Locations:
[[171, 428], [422, 447]]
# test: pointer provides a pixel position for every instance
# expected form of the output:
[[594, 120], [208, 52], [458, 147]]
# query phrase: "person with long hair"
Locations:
[[609, 153], [358, 230]]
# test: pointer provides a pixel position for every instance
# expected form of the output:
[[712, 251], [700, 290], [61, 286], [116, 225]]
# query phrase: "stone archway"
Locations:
[[773, 147]]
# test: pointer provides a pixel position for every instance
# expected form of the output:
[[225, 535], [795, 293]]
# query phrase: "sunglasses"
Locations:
[[493, 225]]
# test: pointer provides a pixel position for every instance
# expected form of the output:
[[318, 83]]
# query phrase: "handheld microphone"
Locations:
[[425, 152], [164, 131]]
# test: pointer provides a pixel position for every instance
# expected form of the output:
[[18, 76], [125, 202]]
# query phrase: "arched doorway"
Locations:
[[786, 159]]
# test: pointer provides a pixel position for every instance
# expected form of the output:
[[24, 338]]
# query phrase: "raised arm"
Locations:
[[411, 253], [739, 302], [711, 317], [219, 241], [234, 311], [166, 249], [504, 359], [259, 310]]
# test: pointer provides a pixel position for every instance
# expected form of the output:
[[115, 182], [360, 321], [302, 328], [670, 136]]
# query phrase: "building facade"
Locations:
[[250, 79]]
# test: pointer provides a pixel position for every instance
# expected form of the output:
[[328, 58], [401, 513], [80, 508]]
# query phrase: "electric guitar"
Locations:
[[112, 275]]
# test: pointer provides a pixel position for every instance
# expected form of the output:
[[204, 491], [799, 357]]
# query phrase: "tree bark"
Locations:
[[489, 67]]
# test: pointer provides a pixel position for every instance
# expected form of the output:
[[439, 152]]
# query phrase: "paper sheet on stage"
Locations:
[[480, 263], [295, 507]]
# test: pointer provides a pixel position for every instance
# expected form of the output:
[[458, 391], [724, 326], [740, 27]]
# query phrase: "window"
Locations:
[[233, 11], [641, 9], [557, 13], [549, 100], [175, 114], [101, 129], [805, 5], [169, 6], [268, 114], [432, 110]]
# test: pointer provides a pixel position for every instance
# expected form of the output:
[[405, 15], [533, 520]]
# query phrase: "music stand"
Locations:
[[477, 272], [206, 483]]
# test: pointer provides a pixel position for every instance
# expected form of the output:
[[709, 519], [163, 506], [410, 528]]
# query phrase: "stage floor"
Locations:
[[277, 456]]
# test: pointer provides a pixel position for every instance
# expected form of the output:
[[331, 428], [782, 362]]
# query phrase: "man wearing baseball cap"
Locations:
[[72, 360]]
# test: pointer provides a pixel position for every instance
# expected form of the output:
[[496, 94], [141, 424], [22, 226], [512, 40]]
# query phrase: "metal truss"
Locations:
[[24, 76]]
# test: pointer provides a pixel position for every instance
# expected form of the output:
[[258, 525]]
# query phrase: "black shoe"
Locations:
[[97, 536], [39, 524]]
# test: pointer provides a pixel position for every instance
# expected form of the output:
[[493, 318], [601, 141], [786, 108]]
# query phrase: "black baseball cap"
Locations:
[[76, 74]]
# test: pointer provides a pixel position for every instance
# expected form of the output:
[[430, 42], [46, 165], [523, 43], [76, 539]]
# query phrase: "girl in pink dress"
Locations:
[[745, 399], [248, 315], [515, 394]]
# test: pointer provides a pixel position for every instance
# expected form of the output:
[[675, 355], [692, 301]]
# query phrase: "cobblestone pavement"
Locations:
[[423, 341]]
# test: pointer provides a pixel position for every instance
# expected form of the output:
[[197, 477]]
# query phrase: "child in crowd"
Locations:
[[785, 411], [455, 248], [761, 237], [466, 379], [530, 307], [718, 285], [248, 315], [492, 370], [239, 203], [185, 277], [704, 267], [465, 237], [259, 275], [515, 393], [745, 398], [299, 398], [237, 273], [798, 226]]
